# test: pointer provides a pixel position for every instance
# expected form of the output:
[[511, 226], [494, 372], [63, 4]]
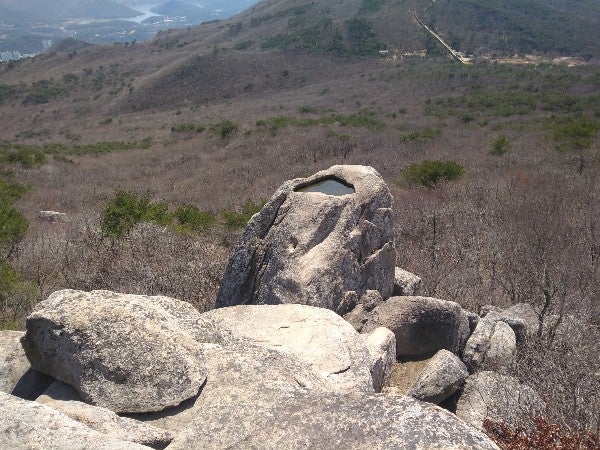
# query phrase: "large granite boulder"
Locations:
[[258, 402], [493, 346], [499, 398], [441, 378], [128, 353], [16, 376], [65, 399], [422, 325], [317, 337], [321, 241], [31, 425]]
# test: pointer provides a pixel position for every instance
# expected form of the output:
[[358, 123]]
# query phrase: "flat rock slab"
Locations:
[[65, 399], [422, 325], [128, 353], [283, 419], [315, 248], [16, 376], [317, 337], [30, 425]]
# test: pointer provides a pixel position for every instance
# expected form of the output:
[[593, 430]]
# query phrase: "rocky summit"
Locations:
[[276, 366]]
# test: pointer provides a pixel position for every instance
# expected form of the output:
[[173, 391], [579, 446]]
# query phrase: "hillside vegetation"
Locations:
[[160, 152]]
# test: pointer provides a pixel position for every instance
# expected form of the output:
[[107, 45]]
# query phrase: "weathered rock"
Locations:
[[502, 352], [473, 321], [478, 344], [359, 315], [499, 398], [492, 346], [381, 344], [52, 216], [256, 397], [65, 399], [444, 374], [521, 317], [406, 283], [239, 372], [329, 421], [128, 353], [316, 249], [16, 376], [315, 336], [30, 425], [422, 325]]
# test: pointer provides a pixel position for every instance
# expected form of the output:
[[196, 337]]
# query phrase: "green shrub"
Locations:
[[188, 127], [575, 134], [12, 224], [425, 134], [369, 6], [190, 218], [126, 209], [224, 128], [235, 219], [500, 146], [17, 297], [362, 37], [26, 155], [429, 173], [43, 91], [243, 45]]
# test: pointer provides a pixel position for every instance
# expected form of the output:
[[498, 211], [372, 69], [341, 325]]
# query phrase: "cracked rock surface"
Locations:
[[315, 248]]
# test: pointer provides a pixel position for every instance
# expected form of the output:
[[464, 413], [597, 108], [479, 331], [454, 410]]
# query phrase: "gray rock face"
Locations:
[[315, 336], [239, 373], [251, 404], [128, 353], [16, 376], [422, 325], [30, 425], [499, 398], [492, 345], [52, 216], [406, 283], [381, 344], [521, 317], [444, 374], [316, 249], [65, 399]]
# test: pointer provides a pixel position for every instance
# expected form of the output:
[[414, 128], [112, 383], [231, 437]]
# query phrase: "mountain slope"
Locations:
[[565, 27]]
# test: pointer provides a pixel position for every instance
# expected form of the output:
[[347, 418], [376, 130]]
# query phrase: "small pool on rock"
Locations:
[[329, 186]]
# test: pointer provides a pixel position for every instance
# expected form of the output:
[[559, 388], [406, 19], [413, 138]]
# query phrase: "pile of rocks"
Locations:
[[314, 329]]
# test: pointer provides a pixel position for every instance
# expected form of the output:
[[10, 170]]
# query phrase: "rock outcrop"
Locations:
[[128, 353], [31, 425], [499, 398], [422, 325], [315, 336], [314, 248], [65, 399], [492, 345]]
